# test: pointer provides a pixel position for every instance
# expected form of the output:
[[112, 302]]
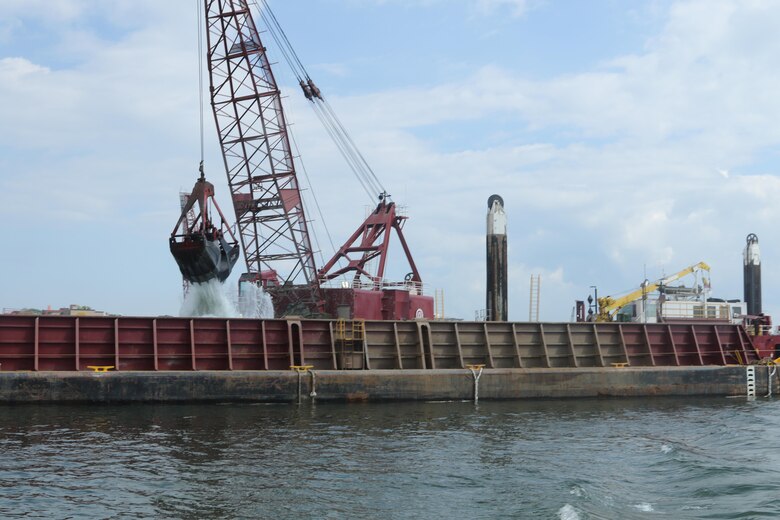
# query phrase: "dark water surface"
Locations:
[[652, 458]]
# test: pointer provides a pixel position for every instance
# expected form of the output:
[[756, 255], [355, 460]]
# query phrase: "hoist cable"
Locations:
[[314, 196], [199, 4], [325, 113], [342, 140], [284, 36], [285, 51], [354, 146], [344, 153]]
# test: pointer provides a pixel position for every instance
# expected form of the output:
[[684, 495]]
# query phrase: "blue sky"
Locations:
[[625, 137]]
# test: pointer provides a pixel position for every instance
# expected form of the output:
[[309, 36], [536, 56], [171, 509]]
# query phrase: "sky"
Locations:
[[628, 140]]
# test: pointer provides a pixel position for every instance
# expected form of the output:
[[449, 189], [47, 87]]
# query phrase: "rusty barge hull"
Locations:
[[374, 385], [51, 358]]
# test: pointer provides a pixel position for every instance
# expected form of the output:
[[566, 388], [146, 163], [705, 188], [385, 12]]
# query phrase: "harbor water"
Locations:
[[574, 459]]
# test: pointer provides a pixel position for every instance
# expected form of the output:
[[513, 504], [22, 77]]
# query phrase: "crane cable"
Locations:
[[348, 157], [303, 167], [344, 141], [199, 5], [316, 203], [325, 113], [351, 142], [276, 24]]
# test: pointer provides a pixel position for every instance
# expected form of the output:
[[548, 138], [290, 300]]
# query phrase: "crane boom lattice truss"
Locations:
[[255, 146]]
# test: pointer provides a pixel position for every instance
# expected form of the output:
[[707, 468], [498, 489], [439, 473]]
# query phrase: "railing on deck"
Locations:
[[375, 285], [135, 343], [696, 310]]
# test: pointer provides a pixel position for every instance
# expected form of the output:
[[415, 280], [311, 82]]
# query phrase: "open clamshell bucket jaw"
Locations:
[[202, 250]]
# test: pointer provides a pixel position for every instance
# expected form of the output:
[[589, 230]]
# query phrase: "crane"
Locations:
[[608, 306], [247, 108], [270, 214]]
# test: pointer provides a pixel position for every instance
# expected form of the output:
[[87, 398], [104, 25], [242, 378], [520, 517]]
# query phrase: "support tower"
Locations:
[[752, 275], [496, 304]]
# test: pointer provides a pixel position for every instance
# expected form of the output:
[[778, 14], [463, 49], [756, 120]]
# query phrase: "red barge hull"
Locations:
[[58, 343]]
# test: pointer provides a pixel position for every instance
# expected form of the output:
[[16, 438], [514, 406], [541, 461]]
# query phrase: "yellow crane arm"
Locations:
[[608, 305], [701, 266]]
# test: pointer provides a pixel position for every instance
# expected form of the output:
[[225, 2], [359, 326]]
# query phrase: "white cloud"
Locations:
[[647, 131], [334, 69], [515, 7], [604, 172], [16, 69], [60, 11]]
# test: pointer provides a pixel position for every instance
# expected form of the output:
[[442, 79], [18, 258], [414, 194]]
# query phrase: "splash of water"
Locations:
[[215, 300], [207, 299], [254, 302], [567, 512]]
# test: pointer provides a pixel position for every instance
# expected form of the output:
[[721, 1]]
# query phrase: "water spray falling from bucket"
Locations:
[[254, 302], [207, 299], [213, 299]]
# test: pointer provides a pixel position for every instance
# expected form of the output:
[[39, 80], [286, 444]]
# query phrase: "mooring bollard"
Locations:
[[771, 370], [302, 369], [313, 392], [476, 374]]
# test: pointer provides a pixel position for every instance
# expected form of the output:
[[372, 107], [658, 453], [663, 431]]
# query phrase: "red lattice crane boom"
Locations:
[[256, 149], [266, 197]]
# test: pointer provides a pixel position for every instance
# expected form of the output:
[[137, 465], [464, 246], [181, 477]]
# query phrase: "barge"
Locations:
[[110, 359], [359, 356]]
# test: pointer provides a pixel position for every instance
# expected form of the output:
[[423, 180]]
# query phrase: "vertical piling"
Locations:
[[496, 304], [752, 275]]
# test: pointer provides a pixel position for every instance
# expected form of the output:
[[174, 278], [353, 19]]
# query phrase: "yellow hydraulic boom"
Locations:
[[608, 306]]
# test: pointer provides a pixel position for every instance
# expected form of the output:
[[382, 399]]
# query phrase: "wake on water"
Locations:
[[210, 299]]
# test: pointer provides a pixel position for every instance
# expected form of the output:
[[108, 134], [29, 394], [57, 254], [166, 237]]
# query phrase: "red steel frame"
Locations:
[[255, 146], [201, 195], [374, 235]]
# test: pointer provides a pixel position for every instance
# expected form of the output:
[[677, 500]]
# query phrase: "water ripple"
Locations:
[[591, 459]]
